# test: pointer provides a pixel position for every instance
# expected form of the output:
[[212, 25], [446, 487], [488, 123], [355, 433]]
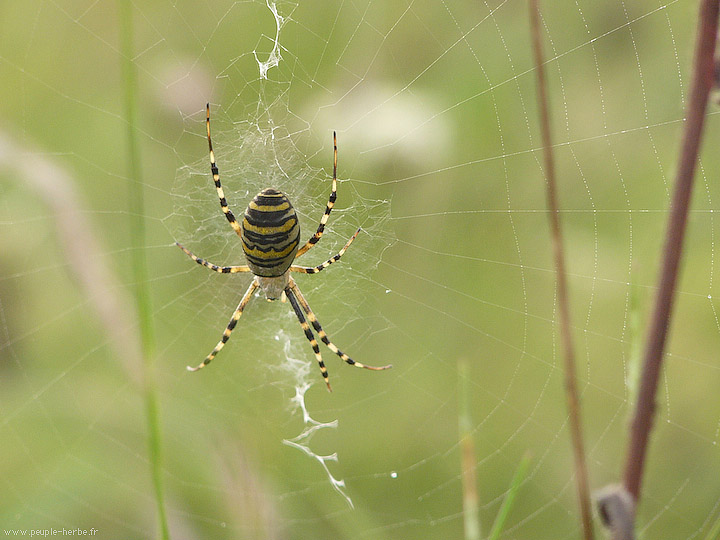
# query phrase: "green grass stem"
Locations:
[[714, 533], [507, 504], [136, 212], [635, 338], [471, 517]]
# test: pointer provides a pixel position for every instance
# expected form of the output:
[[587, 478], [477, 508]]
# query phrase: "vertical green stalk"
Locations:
[[471, 518], [714, 533], [507, 504], [632, 381], [136, 212]]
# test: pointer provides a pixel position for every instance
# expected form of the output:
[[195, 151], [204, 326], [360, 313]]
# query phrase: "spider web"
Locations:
[[439, 163]]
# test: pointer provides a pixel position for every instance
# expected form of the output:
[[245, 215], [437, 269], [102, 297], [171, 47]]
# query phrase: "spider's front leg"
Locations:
[[323, 266], [216, 178], [331, 202]]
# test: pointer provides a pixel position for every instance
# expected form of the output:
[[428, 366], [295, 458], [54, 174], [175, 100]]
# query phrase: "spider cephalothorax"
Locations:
[[270, 234]]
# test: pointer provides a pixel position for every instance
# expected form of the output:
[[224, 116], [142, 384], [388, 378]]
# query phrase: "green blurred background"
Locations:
[[434, 105]]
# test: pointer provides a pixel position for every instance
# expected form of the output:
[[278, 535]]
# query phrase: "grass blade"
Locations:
[[714, 533], [136, 212], [509, 500], [471, 517]]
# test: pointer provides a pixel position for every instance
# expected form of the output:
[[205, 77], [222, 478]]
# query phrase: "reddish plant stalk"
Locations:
[[571, 391], [702, 81]]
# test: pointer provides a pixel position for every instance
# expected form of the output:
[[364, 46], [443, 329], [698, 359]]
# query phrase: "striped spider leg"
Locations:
[[295, 296], [331, 202], [230, 327], [223, 205]]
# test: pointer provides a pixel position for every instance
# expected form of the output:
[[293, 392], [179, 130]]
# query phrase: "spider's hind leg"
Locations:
[[293, 288], [308, 334], [230, 327]]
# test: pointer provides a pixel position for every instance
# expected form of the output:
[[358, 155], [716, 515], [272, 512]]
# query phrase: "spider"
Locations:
[[270, 235]]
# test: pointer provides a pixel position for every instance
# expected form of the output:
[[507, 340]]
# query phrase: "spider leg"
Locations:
[[216, 178], [331, 202], [230, 327], [320, 332], [323, 266], [308, 334], [211, 266]]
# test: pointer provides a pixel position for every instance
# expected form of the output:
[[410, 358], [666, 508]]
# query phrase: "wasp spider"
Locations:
[[270, 235]]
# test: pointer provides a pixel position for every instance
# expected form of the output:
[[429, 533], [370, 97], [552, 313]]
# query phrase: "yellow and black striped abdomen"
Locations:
[[270, 233]]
